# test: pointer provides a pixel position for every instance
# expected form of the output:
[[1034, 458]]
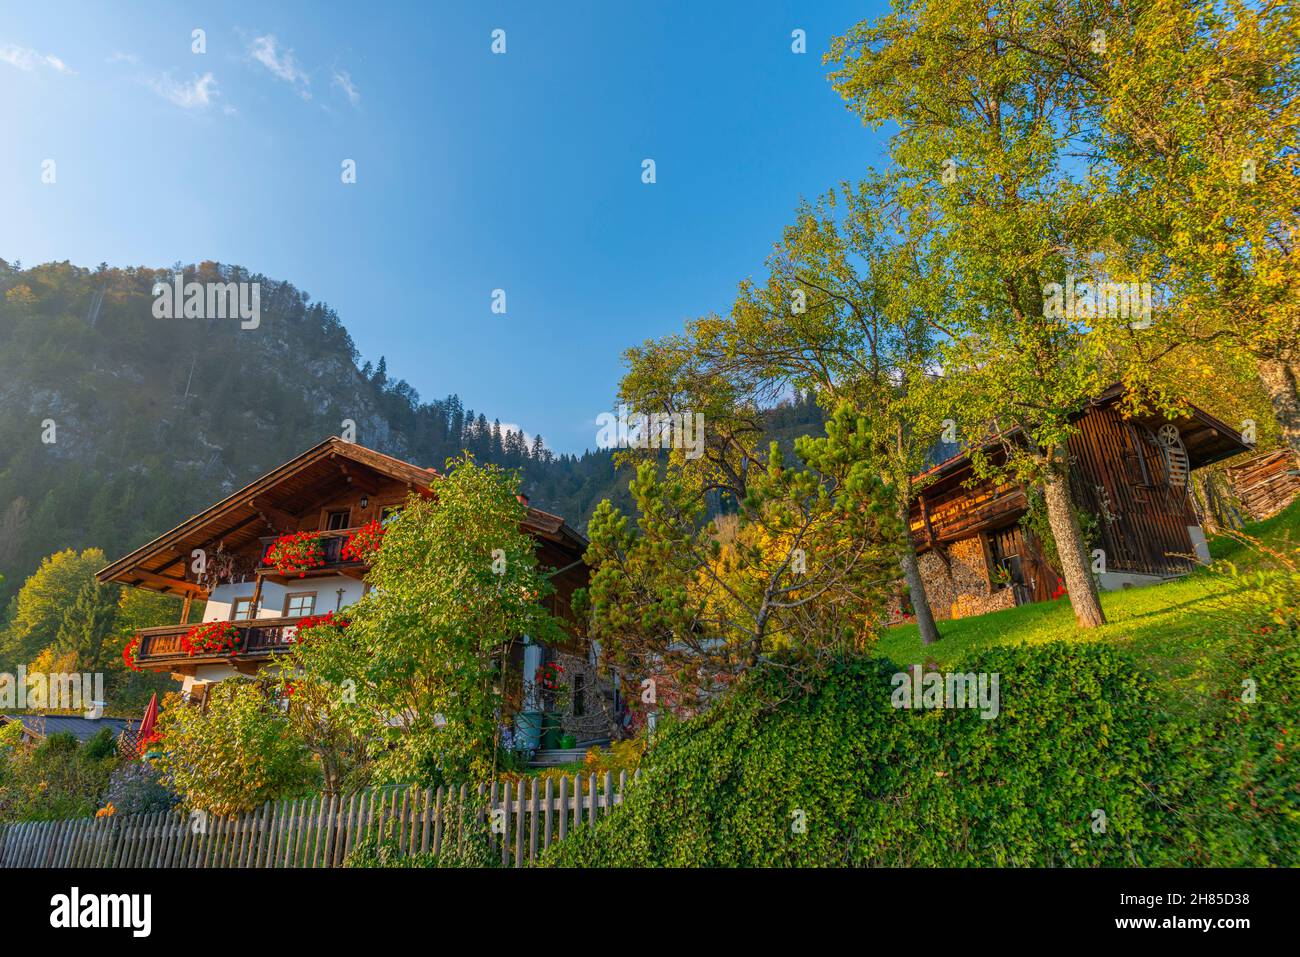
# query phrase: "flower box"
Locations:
[[296, 554], [214, 637]]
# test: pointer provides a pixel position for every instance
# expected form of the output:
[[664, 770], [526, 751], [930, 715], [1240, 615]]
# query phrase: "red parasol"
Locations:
[[150, 719]]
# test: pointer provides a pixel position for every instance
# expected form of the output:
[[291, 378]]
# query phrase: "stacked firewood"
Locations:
[[1266, 483]]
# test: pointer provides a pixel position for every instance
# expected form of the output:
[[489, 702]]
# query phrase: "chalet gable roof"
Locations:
[[318, 474]]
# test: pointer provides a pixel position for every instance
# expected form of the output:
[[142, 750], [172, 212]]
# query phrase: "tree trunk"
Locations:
[[1075, 561], [1279, 382], [912, 573], [911, 568], [920, 601]]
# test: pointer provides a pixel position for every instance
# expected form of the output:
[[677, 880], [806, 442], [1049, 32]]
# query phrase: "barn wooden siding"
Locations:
[[1119, 476], [1039, 580]]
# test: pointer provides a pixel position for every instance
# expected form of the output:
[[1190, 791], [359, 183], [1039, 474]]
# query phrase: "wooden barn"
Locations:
[[1131, 474]]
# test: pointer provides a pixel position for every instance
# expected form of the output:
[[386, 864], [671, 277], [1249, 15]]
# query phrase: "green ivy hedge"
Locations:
[[1082, 732]]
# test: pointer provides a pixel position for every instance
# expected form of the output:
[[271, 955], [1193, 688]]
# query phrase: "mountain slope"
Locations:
[[116, 425]]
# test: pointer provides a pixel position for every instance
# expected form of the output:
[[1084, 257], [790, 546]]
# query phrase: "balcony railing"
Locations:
[[332, 543], [258, 639]]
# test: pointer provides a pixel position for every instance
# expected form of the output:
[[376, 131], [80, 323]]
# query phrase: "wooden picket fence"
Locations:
[[522, 819]]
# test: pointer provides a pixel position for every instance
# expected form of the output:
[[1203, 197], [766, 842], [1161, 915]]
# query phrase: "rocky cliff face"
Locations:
[[115, 424]]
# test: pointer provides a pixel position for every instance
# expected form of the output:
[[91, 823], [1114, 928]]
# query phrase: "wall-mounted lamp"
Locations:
[[365, 501]]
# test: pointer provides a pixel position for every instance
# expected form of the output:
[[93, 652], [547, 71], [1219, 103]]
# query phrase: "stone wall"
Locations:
[[597, 718]]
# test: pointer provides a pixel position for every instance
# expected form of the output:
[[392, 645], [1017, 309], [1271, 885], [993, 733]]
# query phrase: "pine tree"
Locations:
[[455, 421], [496, 449], [88, 625]]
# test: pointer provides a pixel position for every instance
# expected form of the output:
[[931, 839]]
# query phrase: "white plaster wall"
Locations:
[[217, 672], [272, 602]]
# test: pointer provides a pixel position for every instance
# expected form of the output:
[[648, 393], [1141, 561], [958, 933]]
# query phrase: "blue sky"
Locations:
[[475, 171]]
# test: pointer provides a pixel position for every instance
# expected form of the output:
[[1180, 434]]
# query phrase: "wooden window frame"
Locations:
[[252, 609], [289, 596], [330, 512]]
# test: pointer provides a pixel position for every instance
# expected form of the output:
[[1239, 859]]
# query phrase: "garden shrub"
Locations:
[[237, 754], [621, 757], [1243, 806], [1081, 733], [57, 778]]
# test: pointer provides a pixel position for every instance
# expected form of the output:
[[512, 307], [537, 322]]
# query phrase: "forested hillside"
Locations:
[[154, 419]]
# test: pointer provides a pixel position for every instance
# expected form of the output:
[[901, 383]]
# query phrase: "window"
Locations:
[[337, 520], [1135, 457], [1142, 463], [579, 698], [389, 512], [299, 604], [241, 609]]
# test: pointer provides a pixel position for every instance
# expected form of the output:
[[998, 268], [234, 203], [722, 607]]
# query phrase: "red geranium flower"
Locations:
[[363, 544], [315, 621], [296, 554], [214, 637], [131, 653]]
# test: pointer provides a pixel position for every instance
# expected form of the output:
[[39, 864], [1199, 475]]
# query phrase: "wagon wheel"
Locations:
[[1177, 465]]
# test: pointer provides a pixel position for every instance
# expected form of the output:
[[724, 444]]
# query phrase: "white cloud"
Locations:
[[265, 50], [195, 95], [120, 57], [343, 80], [515, 427], [25, 59]]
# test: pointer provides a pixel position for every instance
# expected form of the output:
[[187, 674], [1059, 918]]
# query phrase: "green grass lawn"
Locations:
[[1176, 625]]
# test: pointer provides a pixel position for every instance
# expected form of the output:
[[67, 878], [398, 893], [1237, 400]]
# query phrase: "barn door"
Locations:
[[1031, 577], [1007, 546]]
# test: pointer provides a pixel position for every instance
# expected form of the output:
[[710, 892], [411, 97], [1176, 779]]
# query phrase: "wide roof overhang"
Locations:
[[1206, 438], [276, 501]]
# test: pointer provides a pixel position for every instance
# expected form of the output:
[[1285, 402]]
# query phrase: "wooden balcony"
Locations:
[[161, 648], [962, 513], [335, 564]]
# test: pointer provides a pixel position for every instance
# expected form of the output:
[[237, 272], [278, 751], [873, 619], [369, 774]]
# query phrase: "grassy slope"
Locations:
[[1172, 624]]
